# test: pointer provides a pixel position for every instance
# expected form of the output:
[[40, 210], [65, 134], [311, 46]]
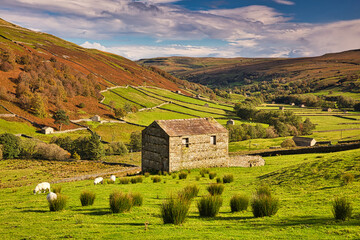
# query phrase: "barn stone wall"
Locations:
[[155, 149], [199, 153], [246, 161]]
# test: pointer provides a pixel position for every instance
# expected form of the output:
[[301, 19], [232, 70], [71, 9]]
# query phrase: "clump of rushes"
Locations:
[[174, 210], [347, 178], [137, 179], [189, 192], [120, 202], [124, 180], [239, 203], [197, 178], [173, 175], [183, 175], [56, 189], [58, 204], [156, 179], [342, 209], [209, 206], [263, 204], [215, 189], [137, 199], [218, 180], [147, 174], [204, 171], [228, 178], [87, 198], [212, 175]]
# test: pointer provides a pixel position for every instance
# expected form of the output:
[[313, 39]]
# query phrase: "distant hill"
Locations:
[[336, 70], [40, 73]]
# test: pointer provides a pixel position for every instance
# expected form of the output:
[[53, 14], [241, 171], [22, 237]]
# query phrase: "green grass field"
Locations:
[[305, 185]]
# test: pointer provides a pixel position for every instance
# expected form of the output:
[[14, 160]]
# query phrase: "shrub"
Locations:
[[263, 191], [147, 174], [120, 202], [76, 156], [116, 148], [347, 178], [6, 67], [197, 178], [189, 192], [11, 145], [58, 204], [215, 189], [183, 175], [81, 105], [264, 205], [288, 143], [342, 209], [212, 175], [218, 180], [174, 210], [228, 178], [137, 199], [124, 180], [87, 198], [209, 206], [51, 152], [57, 189], [239, 203], [156, 179], [173, 175]]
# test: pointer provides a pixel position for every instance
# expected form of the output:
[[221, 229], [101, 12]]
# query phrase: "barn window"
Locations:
[[213, 140], [185, 142]]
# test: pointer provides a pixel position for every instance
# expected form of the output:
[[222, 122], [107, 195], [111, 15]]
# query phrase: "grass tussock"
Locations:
[[174, 210], [147, 174], [56, 189], [120, 202], [156, 179], [342, 209], [59, 203], [263, 190], [124, 180], [137, 179], [347, 178], [218, 180], [87, 198], [209, 206], [204, 171], [189, 192], [229, 178], [239, 203], [212, 175], [215, 189], [264, 205], [137, 199], [183, 175]]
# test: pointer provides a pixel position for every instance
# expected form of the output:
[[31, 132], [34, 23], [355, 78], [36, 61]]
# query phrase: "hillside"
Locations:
[[336, 70], [40, 73]]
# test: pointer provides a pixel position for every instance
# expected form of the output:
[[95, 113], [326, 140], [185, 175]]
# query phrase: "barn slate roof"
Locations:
[[193, 126], [303, 141]]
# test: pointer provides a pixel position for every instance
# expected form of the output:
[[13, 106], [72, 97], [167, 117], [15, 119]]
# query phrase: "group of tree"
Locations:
[[121, 112], [282, 123]]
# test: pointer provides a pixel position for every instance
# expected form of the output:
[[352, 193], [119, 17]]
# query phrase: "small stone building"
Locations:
[[172, 145], [327, 110], [47, 130], [304, 141], [230, 122], [96, 118], [282, 108]]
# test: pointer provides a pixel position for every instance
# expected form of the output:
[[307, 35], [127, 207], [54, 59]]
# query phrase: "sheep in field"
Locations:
[[113, 178], [98, 180], [51, 197], [42, 187]]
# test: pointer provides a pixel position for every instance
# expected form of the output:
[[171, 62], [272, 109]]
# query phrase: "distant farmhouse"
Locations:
[[304, 141], [172, 145], [47, 130]]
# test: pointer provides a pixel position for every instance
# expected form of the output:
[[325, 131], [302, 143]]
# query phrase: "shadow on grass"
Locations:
[[35, 211], [124, 224], [218, 218], [316, 221], [94, 211]]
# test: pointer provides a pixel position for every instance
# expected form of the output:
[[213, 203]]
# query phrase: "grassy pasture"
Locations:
[[118, 101], [305, 185]]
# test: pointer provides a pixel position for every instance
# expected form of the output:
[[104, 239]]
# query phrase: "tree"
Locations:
[[61, 118], [357, 107], [307, 127], [135, 141], [119, 112], [11, 145], [38, 106]]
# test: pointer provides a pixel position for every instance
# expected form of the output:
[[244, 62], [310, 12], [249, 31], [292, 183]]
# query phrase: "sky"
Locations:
[[139, 29]]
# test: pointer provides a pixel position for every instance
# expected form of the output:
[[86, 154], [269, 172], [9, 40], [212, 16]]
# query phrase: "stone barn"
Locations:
[[47, 130], [172, 145]]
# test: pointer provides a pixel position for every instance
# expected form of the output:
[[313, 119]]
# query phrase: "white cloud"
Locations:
[[248, 31], [285, 2]]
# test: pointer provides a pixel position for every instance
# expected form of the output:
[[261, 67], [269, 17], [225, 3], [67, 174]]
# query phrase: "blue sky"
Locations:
[[198, 28]]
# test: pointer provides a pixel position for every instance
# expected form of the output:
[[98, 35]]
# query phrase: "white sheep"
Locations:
[[113, 178], [98, 180], [51, 197], [42, 187]]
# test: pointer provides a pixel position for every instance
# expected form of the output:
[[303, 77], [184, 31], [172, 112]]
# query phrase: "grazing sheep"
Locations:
[[113, 178], [98, 180], [51, 197], [42, 187]]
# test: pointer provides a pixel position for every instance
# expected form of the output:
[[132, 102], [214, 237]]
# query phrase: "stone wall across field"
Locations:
[[246, 161]]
